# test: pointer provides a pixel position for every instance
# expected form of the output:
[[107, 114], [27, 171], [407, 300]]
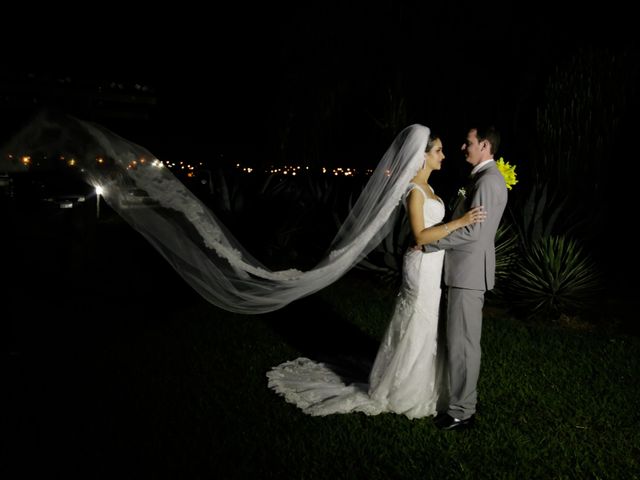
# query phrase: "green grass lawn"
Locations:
[[119, 370]]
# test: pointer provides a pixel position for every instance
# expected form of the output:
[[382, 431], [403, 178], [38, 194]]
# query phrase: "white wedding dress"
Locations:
[[408, 372]]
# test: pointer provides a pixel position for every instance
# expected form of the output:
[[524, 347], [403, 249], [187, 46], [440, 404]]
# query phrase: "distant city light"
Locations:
[[195, 169], [293, 170], [288, 170]]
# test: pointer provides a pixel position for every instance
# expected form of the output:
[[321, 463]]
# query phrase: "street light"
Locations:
[[99, 191]]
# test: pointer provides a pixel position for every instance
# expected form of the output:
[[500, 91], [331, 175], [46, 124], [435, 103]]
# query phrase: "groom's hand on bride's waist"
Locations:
[[430, 248], [427, 248]]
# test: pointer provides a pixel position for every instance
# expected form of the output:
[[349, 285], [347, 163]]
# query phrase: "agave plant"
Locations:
[[554, 276]]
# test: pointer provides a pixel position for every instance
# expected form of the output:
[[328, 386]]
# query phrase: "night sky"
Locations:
[[232, 80]]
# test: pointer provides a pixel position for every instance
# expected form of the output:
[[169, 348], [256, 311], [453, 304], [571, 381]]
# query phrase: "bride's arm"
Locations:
[[422, 235]]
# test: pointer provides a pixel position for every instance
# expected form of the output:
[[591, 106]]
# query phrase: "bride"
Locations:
[[408, 372]]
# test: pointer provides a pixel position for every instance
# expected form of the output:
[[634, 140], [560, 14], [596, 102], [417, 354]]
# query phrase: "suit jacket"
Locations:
[[470, 256]]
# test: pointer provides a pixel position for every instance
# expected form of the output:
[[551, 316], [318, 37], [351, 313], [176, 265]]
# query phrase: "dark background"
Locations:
[[330, 84], [260, 85], [232, 77]]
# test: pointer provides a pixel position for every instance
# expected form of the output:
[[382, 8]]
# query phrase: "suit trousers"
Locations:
[[464, 327]]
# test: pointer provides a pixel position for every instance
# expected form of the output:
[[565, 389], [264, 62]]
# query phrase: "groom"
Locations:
[[469, 271]]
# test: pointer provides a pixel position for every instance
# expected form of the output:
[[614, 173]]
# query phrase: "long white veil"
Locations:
[[190, 236]]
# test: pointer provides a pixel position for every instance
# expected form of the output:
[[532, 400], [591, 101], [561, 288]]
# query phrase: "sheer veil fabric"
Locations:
[[191, 238]]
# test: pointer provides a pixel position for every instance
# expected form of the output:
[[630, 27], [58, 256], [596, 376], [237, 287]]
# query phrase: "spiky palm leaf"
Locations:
[[554, 276]]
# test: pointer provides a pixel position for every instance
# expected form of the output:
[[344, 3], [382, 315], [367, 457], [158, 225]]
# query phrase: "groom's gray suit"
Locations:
[[469, 271]]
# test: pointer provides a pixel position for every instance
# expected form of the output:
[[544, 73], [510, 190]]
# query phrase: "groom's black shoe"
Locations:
[[440, 418], [447, 422]]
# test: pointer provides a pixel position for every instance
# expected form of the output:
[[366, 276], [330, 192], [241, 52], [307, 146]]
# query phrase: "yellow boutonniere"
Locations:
[[508, 172]]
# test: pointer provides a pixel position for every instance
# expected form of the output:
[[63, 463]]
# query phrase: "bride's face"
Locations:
[[435, 156]]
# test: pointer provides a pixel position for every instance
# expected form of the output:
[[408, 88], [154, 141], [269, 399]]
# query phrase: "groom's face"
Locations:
[[472, 149]]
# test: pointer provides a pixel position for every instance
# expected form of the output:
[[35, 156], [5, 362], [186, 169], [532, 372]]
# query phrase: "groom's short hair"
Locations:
[[490, 134]]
